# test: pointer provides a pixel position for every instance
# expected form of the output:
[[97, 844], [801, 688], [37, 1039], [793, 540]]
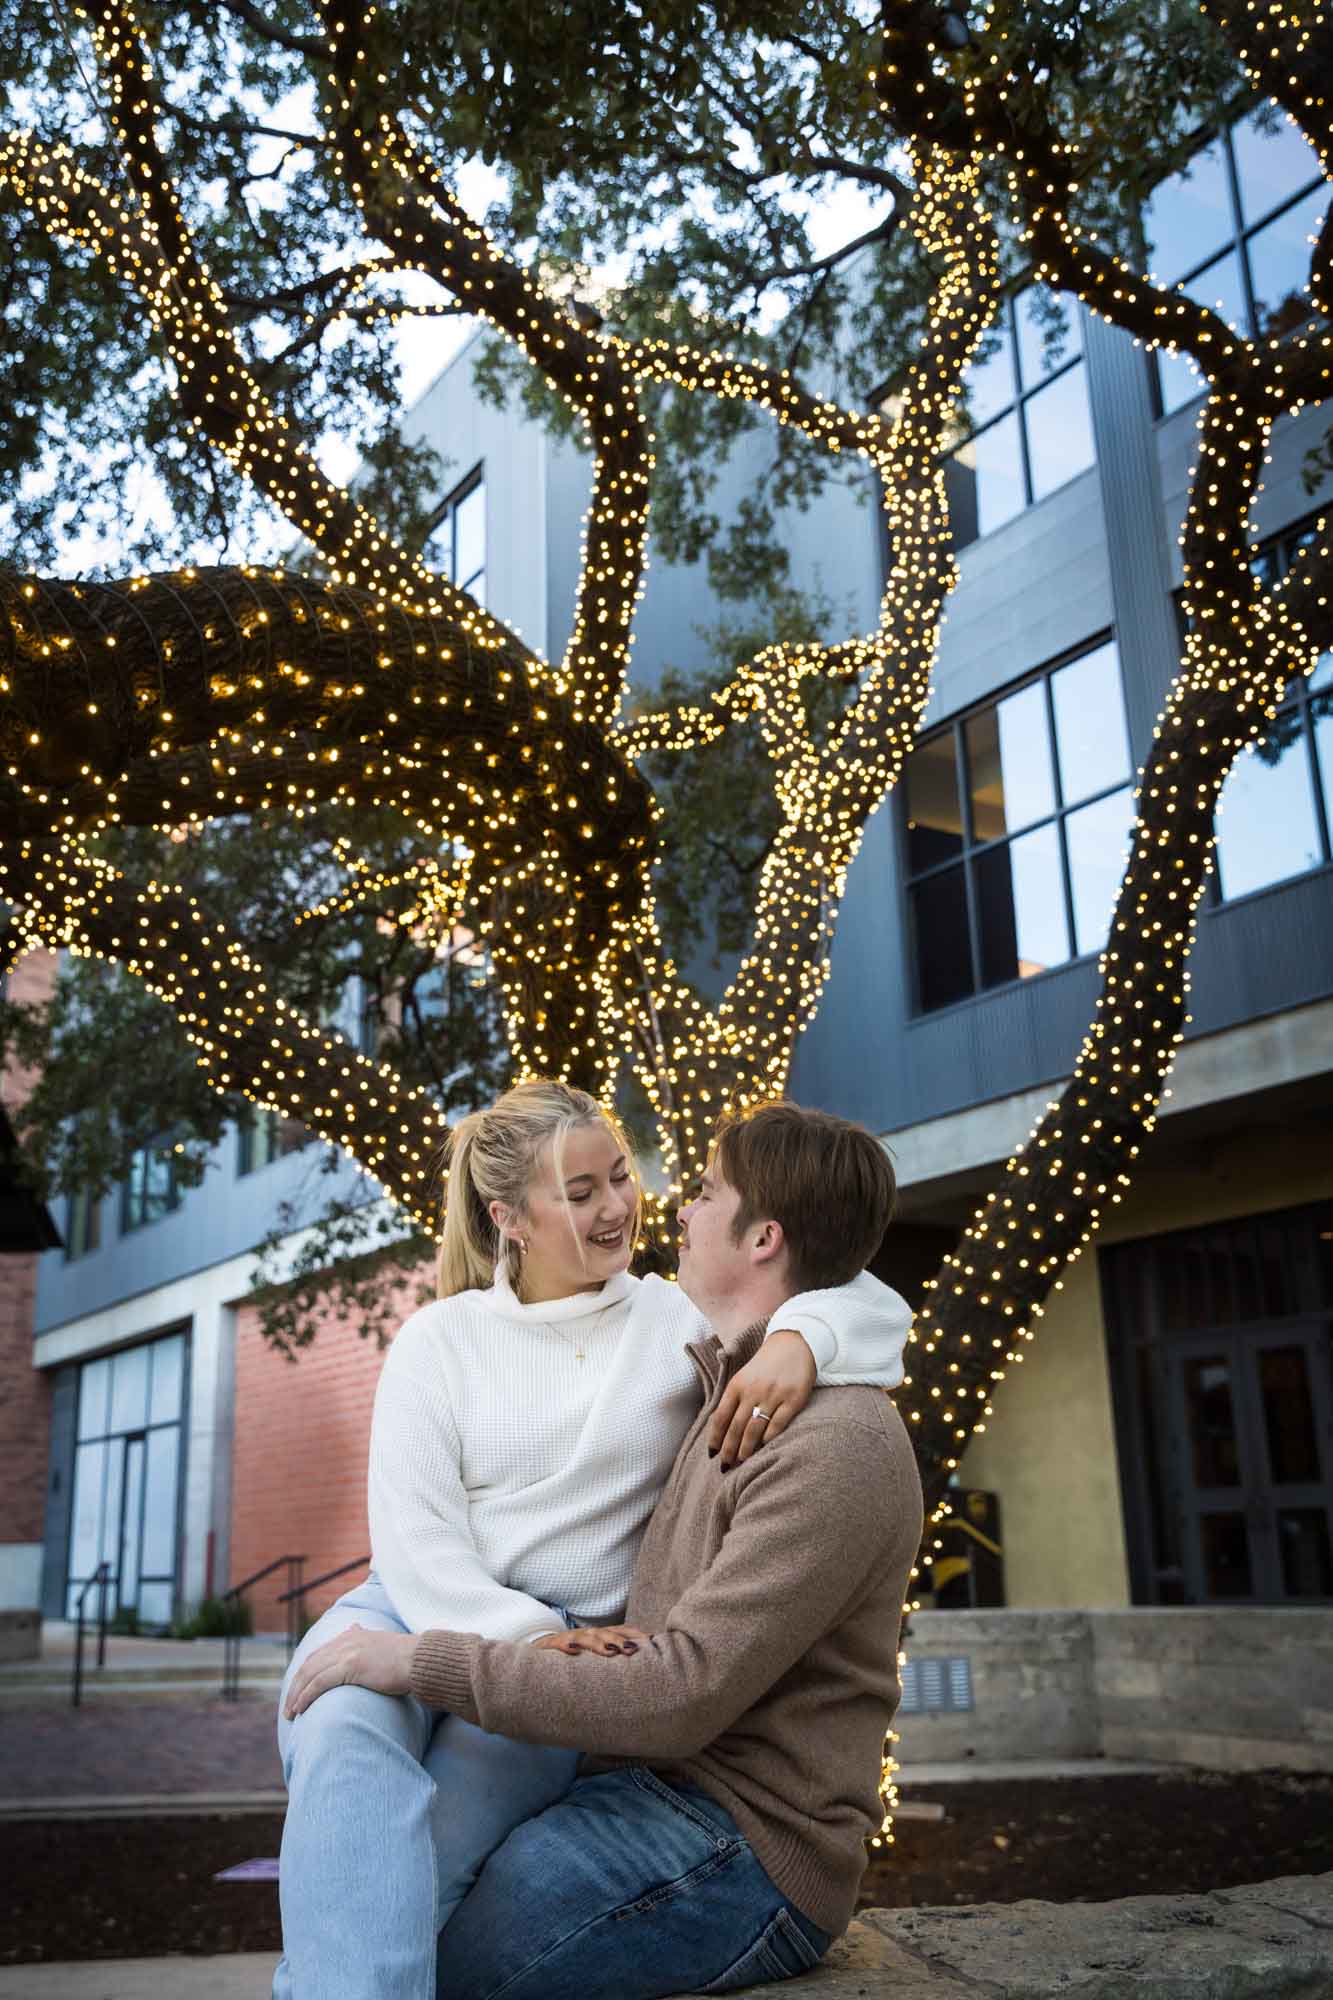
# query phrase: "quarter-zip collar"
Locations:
[[719, 1356]]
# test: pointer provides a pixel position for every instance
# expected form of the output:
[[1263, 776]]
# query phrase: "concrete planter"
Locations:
[[20, 1635], [1234, 1690]]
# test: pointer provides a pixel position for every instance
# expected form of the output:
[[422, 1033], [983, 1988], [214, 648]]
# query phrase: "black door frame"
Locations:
[[1144, 1359]]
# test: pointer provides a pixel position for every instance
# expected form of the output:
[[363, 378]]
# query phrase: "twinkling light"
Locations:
[[164, 701]]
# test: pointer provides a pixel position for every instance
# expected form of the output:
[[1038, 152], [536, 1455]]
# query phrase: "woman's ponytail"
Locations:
[[470, 1241]]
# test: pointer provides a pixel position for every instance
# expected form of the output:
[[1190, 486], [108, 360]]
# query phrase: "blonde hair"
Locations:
[[492, 1155]]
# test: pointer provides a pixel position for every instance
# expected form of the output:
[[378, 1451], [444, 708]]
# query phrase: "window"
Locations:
[[126, 1478], [265, 1136], [151, 1190], [83, 1225], [1232, 230], [1016, 823], [456, 544], [1275, 815], [1026, 405]]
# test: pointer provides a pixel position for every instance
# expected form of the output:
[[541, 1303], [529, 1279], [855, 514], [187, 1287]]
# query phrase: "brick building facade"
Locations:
[[302, 1429], [25, 1395]]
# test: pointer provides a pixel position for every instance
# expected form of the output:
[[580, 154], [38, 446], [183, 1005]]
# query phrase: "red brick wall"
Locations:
[[25, 1396], [25, 1408], [302, 1429]]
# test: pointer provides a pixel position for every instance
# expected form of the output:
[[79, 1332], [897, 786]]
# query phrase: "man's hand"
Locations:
[[778, 1381], [605, 1640], [381, 1661]]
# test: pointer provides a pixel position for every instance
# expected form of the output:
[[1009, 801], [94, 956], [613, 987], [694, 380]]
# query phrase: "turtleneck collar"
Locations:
[[502, 1299]]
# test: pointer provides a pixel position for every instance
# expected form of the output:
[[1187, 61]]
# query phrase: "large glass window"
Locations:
[[456, 544], [1016, 822], [1233, 230], [1275, 814], [1026, 412], [127, 1467], [151, 1189], [265, 1136]]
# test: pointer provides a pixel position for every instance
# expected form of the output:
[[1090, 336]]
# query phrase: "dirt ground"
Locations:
[[125, 1888]]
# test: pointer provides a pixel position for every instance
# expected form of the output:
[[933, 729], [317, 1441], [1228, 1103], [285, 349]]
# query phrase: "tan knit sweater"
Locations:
[[773, 1593]]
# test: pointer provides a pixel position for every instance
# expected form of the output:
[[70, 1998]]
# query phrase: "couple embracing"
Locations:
[[497, 1787]]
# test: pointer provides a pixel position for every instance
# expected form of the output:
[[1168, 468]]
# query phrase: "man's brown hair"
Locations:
[[827, 1181]]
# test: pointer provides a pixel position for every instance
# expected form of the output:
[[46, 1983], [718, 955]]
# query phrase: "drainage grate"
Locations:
[[937, 1686]]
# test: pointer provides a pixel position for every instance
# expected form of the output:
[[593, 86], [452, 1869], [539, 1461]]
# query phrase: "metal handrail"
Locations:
[[231, 1638], [329, 1576], [99, 1577]]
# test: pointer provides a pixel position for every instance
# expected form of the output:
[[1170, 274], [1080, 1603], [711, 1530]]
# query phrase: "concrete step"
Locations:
[[53, 1690], [115, 1672]]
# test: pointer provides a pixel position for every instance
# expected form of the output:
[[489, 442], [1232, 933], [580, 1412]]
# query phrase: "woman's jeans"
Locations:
[[392, 1809]]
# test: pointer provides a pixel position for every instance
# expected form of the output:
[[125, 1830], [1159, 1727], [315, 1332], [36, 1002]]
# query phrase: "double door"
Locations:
[[1250, 1413]]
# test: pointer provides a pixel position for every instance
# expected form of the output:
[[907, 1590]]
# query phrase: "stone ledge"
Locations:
[[1271, 1941]]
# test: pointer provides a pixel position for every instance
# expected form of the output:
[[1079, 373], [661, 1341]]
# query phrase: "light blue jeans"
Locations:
[[392, 1808]]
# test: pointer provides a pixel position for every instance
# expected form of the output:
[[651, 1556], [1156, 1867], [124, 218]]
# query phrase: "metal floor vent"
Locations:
[[937, 1686]]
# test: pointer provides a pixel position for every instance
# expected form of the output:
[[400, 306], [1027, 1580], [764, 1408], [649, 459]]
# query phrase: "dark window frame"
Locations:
[[83, 1225], [447, 511], [1297, 699], [971, 849], [1025, 394], [1237, 243], [139, 1163], [281, 1145]]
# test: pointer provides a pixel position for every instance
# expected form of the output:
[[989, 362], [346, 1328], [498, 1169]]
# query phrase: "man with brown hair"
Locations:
[[735, 1724]]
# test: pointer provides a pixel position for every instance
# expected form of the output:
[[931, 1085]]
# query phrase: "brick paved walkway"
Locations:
[[110, 1749]]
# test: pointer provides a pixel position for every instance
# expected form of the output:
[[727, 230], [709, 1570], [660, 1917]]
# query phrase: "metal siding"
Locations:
[[1147, 630], [1100, 551], [226, 1215]]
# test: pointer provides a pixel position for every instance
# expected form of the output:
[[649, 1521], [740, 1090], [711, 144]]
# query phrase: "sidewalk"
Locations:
[[141, 1749], [246, 1976]]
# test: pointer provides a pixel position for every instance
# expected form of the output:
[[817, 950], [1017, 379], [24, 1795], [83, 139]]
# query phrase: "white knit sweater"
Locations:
[[507, 1475]]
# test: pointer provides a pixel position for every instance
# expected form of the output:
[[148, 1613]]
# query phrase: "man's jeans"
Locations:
[[627, 1889], [392, 1809]]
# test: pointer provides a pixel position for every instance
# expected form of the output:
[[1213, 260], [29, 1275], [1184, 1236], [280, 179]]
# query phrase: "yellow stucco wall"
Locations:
[[1049, 1451]]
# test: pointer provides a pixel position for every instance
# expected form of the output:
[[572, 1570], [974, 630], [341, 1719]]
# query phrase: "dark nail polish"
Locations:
[[613, 1649], [712, 1451], [729, 1465], [628, 1648]]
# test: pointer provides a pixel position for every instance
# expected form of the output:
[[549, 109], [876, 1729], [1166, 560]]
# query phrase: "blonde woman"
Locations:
[[524, 1426]]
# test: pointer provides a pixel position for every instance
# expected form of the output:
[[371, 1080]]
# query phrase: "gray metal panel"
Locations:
[[1263, 953], [59, 1490], [226, 1215], [1044, 583], [1147, 630], [1036, 588]]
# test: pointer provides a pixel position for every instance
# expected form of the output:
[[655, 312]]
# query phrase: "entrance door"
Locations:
[[127, 1478], [1251, 1412], [1295, 1409]]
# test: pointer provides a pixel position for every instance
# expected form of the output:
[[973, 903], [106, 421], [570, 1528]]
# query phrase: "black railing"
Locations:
[[303, 1590], [99, 1578], [234, 1599]]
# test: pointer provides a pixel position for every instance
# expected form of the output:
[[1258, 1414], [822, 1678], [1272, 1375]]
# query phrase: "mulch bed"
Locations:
[[131, 1888]]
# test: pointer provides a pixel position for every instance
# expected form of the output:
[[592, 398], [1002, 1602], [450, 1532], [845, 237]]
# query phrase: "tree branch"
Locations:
[[402, 196]]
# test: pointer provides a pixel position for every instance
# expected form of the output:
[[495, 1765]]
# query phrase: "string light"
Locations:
[[166, 700]]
